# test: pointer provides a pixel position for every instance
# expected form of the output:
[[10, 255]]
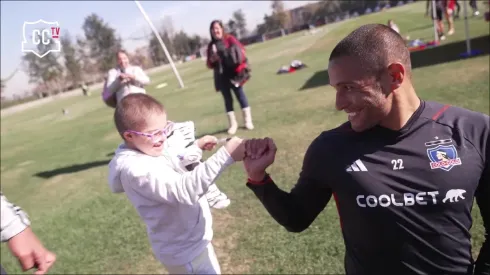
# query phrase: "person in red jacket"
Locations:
[[226, 56]]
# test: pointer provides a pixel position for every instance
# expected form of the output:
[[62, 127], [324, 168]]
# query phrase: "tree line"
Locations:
[[86, 59]]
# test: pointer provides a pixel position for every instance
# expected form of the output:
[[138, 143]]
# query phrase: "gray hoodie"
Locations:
[[172, 205]]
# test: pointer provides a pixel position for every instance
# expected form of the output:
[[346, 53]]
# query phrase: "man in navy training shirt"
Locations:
[[403, 171]]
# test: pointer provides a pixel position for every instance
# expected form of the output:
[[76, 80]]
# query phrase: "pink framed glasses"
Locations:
[[156, 135]]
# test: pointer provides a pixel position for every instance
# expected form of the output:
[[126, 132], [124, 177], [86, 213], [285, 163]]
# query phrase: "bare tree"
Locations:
[[167, 26]]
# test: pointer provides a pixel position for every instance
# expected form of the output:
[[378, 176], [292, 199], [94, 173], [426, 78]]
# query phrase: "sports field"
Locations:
[[55, 166]]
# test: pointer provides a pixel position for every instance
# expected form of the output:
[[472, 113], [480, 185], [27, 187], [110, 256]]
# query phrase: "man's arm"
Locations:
[[482, 265], [297, 209], [13, 219]]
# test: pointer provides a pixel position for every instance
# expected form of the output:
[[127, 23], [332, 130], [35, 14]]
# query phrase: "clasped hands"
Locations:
[[126, 78], [256, 154]]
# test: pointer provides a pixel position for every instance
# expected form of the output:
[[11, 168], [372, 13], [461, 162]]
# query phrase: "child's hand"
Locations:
[[207, 142], [236, 148]]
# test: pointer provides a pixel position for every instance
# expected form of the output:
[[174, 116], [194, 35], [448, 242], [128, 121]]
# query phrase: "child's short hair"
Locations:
[[133, 110]]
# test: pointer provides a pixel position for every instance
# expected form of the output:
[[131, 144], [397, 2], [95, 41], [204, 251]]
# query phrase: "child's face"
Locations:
[[150, 138]]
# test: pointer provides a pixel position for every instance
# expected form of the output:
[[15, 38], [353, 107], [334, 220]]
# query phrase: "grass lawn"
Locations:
[[55, 166]]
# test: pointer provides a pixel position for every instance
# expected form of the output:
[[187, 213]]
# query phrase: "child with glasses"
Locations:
[[171, 203]]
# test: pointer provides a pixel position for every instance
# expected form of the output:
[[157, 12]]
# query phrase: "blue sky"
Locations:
[[124, 16]]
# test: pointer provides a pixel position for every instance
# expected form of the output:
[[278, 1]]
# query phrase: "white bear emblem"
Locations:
[[454, 195]]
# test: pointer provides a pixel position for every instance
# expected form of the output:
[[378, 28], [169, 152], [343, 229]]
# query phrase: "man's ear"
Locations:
[[397, 75]]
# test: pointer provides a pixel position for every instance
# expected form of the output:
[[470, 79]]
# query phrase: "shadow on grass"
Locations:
[[449, 52], [433, 56], [71, 169], [320, 78]]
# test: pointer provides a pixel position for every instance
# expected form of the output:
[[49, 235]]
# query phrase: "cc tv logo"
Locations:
[[41, 37]]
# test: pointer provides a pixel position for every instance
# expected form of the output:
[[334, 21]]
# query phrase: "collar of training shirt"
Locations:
[[385, 132]]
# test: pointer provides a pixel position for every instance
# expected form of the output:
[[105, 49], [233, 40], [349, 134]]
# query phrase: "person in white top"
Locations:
[[393, 26], [21, 241], [172, 204], [125, 78], [181, 149]]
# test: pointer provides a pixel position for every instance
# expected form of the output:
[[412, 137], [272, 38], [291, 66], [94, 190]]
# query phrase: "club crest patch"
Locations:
[[443, 157]]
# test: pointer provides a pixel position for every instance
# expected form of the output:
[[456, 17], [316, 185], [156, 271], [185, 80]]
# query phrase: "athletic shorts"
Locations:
[[438, 14]]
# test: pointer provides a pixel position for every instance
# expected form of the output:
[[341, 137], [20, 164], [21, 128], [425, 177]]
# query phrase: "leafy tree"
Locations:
[[4, 81], [101, 42], [156, 51], [181, 43], [166, 33], [270, 24], [280, 14], [241, 23], [46, 70], [72, 64], [231, 27]]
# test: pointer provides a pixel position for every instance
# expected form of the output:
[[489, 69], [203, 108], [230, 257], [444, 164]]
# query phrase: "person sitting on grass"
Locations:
[[170, 202]]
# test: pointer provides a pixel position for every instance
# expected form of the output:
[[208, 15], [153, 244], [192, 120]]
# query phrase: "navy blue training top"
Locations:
[[404, 197]]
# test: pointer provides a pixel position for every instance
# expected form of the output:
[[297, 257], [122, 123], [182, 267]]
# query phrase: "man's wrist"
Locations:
[[259, 178]]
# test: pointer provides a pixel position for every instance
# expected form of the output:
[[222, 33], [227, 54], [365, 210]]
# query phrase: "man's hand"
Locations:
[[236, 148], [260, 154], [27, 248], [207, 142]]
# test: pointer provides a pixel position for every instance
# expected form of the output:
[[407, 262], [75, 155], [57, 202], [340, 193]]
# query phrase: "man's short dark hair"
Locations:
[[375, 46], [133, 110]]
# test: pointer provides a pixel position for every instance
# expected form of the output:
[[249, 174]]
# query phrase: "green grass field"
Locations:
[[55, 166]]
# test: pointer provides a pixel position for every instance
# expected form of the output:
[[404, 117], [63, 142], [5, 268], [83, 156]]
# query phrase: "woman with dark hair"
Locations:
[[226, 56]]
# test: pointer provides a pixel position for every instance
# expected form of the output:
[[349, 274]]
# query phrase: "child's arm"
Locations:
[[166, 185]]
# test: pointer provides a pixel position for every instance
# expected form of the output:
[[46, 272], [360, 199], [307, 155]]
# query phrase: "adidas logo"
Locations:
[[357, 166]]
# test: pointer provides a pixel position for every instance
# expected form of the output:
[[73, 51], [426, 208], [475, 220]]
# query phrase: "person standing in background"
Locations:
[[474, 6], [124, 79], [449, 14], [457, 10], [393, 26], [22, 242], [226, 56], [440, 8]]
